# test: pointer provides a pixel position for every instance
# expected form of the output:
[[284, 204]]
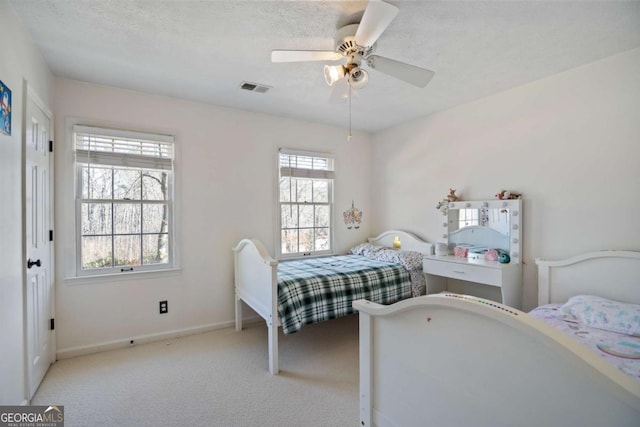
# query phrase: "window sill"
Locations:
[[299, 257], [134, 275]]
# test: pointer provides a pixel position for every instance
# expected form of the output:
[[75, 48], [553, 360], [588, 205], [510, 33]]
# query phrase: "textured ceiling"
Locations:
[[203, 50]]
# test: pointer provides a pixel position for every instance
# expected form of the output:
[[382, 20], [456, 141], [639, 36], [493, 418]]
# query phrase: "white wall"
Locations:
[[226, 182], [19, 60], [570, 143]]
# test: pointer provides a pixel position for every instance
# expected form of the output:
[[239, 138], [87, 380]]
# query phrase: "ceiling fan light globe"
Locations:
[[358, 78], [333, 73]]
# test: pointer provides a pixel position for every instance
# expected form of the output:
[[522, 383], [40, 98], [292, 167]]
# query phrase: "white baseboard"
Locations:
[[144, 339]]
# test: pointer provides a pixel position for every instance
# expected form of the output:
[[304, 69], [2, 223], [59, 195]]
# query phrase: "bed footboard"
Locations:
[[456, 360], [256, 283]]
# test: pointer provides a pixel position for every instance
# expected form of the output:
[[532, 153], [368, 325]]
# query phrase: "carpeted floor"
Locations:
[[214, 379]]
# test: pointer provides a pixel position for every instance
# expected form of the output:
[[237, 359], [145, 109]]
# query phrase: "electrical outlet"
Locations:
[[164, 307]]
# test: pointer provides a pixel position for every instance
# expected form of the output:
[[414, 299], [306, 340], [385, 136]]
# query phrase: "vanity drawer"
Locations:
[[468, 272]]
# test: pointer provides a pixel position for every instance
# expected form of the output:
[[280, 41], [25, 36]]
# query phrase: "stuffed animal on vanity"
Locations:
[[508, 195], [452, 195]]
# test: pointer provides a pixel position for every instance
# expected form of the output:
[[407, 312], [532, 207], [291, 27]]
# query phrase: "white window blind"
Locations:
[[300, 164], [123, 148]]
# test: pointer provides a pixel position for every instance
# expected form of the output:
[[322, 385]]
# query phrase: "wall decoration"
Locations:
[[5, 109], [352, 217]]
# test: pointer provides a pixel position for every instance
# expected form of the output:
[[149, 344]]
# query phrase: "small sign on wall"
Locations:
[[5, 109]]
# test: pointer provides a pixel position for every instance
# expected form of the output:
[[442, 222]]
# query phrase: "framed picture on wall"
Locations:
[[5, 109]]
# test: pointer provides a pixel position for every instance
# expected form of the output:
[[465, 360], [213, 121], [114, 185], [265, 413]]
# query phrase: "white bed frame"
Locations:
[[256, 281], [455, 360]]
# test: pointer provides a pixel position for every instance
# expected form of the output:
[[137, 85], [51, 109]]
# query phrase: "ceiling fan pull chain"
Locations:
[[349, 136]]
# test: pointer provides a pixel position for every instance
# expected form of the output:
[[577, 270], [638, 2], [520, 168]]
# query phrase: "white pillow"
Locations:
[[365, 249], [602, 313]]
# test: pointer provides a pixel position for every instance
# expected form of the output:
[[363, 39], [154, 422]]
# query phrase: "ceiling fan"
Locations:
[[355, 45]]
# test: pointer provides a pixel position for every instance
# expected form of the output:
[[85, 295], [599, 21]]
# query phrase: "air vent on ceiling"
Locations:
[[254, 87]]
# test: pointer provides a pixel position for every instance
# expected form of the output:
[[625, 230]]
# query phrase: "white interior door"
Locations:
[[38, 257]]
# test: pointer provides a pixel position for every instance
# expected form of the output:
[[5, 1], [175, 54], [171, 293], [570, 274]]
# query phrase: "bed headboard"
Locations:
[[610, 274], [409, 241]]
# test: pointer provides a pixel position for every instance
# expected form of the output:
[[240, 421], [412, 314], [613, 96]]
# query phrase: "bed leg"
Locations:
[[273, 348], [238, 313], [366, 372]]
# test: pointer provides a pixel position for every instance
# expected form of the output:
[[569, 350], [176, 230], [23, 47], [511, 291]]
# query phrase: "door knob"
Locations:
[[30, 263]]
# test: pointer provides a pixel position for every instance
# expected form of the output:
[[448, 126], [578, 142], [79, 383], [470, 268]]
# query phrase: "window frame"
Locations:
[[330, 177], [78, 163]]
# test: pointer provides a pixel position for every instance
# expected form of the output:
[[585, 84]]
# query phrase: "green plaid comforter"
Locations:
[[317, 289]]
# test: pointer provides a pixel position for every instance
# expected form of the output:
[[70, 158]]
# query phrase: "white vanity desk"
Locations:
[[508, 277], [497, 226]]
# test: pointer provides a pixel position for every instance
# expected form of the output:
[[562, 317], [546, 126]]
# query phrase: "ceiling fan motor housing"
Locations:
[[345, 43]]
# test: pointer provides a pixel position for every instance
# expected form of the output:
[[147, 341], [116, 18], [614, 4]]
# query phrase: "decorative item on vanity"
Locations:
[[491, 255], [396, 243], [443, 205], [441, 249], [461, 252], [508, 195], [479, 227], [504, 258], [352, 217]]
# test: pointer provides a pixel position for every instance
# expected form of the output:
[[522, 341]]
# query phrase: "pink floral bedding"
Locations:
[[622, 351]]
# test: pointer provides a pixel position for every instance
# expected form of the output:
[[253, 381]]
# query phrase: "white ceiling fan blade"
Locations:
[[409, 73], [304, 55], [377, 17], [340, 91]]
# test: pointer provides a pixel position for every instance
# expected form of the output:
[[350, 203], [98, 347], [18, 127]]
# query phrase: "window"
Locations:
[[305, 203], [124, 200], [468, 217]]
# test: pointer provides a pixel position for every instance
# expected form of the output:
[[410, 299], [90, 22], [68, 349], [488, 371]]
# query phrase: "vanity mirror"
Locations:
[[477, 227], [483, 225]]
